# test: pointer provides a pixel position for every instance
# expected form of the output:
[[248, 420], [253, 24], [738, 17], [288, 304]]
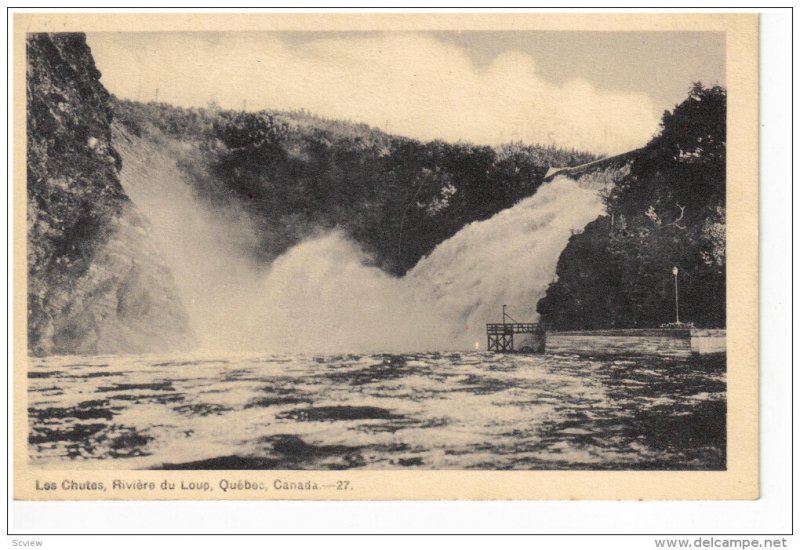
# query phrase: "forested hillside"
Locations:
[[295, 174], [669, 211]]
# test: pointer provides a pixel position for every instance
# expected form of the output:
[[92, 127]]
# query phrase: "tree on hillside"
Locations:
[[682, 170], [668, 211]]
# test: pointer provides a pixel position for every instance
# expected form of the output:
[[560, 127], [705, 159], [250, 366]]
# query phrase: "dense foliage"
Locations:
[[669, 211], [296, 174]]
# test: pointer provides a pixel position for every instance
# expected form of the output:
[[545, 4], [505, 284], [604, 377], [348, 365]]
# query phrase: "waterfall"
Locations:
[[320, 296], [445, 301], [508, 259]]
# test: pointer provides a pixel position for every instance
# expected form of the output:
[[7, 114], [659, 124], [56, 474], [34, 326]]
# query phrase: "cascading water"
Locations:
[[508, 259], [443, 302], [321, 297]]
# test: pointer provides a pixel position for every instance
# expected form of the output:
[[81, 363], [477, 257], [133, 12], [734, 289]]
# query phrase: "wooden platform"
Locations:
[[500, 337]]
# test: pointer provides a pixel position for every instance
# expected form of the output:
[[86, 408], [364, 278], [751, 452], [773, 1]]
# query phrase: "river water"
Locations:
[[379, 411]]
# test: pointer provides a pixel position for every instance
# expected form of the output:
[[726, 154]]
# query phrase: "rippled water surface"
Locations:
[[428, 411]]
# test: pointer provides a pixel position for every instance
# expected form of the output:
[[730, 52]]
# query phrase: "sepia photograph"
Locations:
[[387, 249]]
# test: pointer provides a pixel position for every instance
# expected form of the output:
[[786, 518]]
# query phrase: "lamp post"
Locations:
[[675, 274]]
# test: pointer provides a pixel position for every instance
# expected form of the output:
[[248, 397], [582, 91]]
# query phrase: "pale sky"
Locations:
[[598, 91]]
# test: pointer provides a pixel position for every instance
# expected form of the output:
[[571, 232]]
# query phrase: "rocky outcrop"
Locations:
[[96, 283]]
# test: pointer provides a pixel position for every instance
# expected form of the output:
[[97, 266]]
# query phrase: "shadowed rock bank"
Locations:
[[96, 283]]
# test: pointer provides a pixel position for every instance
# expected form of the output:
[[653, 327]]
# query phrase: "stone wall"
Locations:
[[661, 342]]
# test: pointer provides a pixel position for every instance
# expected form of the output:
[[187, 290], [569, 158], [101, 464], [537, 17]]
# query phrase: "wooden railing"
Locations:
[[513, 328]]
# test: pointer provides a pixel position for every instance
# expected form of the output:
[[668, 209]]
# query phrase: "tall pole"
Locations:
[[675, 274], [504, 314]]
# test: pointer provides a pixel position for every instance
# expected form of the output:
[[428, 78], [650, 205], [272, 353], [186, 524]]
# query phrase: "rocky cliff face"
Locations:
[[96, 283]]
